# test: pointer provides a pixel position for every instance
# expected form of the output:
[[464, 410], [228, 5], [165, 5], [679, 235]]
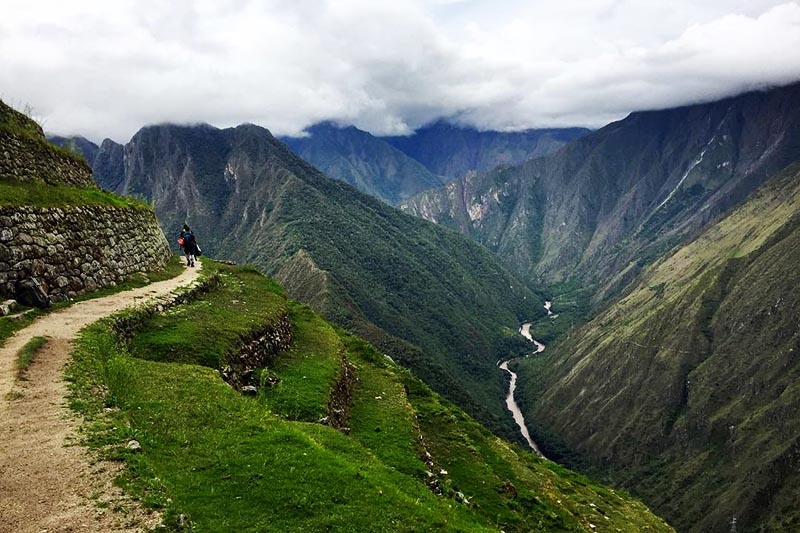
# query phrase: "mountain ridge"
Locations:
[[436, 301], [368, 163], [684, 390], [591, 210]]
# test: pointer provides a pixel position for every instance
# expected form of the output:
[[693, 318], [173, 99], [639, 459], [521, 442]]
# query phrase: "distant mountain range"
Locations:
[[366, 162], [396, 168], [452, 151], [433, 299], [612, 201]]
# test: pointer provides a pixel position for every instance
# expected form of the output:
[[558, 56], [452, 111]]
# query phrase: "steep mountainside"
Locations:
[[78, 144], [452, 151], [436, 301], [617, 198], [368, 163], [687, 390], [281, 422]]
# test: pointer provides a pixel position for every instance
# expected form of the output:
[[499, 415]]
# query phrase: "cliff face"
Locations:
[[686, 390], [83, 241], [621, 196]]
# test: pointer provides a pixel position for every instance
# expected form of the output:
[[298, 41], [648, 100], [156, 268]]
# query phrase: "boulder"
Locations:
[[31, 293], [7, 307]]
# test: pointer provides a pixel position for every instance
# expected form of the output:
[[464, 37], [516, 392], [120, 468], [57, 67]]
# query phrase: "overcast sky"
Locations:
[[106, 68]]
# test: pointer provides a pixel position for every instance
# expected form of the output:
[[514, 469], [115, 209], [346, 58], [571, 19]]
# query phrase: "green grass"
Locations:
[[27, 353], [381, 417], [18, 193], [235, 463], [308, 370], [203, 331], [230, 465], [11, 324]]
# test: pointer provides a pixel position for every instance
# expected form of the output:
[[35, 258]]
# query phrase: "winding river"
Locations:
[[511, 403]]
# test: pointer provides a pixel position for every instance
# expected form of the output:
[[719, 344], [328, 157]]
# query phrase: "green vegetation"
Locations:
[[306, 371], [235, 463], [13, 323], [202, 331], [27, 353], [16, 123], [27, 193], [671, 390], [432, 299]]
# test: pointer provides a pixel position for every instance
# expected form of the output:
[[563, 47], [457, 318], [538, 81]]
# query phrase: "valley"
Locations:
[[461, 266], [636, 281]]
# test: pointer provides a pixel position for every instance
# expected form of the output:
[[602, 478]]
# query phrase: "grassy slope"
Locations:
[[37, 195], [688, 382], [233, 463]]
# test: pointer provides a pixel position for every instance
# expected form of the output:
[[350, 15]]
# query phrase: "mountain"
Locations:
[[452, 151], [78, 144], [368, 163], [108, 166], [687, 389], [436, 301], [612, 201]]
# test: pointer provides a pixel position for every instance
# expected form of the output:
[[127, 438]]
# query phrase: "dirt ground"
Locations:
[[48, 483]]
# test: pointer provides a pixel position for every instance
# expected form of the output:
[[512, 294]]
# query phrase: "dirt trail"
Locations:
[[47, 484]]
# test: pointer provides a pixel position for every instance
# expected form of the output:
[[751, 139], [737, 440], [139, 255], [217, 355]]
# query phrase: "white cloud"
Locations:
[[107, 68]]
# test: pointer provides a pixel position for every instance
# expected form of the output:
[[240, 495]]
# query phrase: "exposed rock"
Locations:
[[134, 446], [257, 350], [7, 307], [249, 390], [342, 396], [85, 255], [31, 293]]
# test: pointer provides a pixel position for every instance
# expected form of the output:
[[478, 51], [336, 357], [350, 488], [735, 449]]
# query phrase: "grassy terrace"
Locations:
[[236, 463], [202, 331], [23, 193]]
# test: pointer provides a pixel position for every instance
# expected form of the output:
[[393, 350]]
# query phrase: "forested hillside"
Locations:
[[431, 298], [686, 389]]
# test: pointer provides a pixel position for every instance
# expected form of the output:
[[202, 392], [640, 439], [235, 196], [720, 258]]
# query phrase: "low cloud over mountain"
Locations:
[[386, 67]]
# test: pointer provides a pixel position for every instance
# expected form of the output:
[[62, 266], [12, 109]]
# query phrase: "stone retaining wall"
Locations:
[[257, 350], [72, 250], [27, 159]]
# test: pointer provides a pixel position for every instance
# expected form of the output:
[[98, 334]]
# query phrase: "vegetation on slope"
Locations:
[[28, 193], [16, 123], [227, 462], [438, 303], [686, 389]]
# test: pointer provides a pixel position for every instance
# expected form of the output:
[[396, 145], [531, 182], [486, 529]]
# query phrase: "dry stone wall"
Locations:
[[24, 158], [72, 250]]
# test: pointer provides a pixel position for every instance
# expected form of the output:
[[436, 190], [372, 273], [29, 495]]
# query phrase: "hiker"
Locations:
[[188, 242]]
